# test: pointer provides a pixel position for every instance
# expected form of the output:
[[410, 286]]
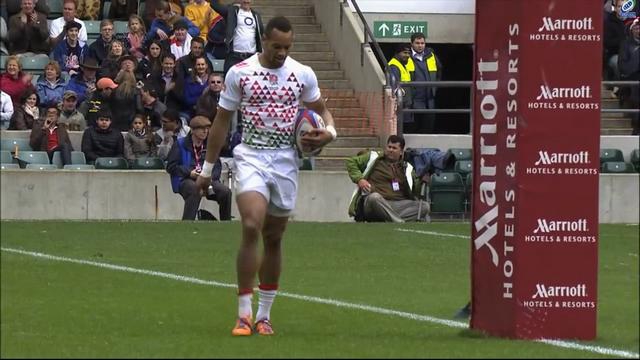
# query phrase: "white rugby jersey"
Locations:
[[268, 100]]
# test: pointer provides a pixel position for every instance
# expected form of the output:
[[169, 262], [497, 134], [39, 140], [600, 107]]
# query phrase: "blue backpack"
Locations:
[[429, 160]]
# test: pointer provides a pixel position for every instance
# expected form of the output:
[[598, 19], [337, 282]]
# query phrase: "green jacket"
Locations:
[[359, 167]]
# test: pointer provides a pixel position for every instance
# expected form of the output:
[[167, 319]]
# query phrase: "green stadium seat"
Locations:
[[447, 193], [610, 155], [10, 144], [9, 166], [463, 167], [93, 29], [218, 65], [77, 158], [462, 153], [149, 163], [111, 163], [120, 27], [6, 157], [34, 64], [106, 6], [41, 167], [635, 159], [307, 164], [34, 157], [55, 9], [79, 167], [617, 167]]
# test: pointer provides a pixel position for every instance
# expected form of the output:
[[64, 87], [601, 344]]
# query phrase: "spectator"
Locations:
[[13, 7], [152, 62], [185, 64], [6, 110], [70, 116], [70, 51], [201, 14], [123, 9], [629, 65], [148, 104], [47, 136], [140, 141], [172, 129], [111, 64], [216, 46], [207, 104], [151, 6], [89, 9], [135, 36], [100, 48], [184, 164], [28, 32], [163, 26], [51, 85], [102, 140], [166, 82], [84, 83], [180, 41], [387, 183], [403, 71], [614, 35], [193, 87], [123, 100], [4, 37], [427, 68], [27, 112], [243, 35], [128, 63], [56, 28], [13, 81], [100, 99]]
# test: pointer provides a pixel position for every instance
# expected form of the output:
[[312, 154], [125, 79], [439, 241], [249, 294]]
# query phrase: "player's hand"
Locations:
[[316, 138], [203, 182]]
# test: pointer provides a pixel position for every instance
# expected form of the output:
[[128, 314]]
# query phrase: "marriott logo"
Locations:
[[546, 291], [551, 24], [549, 93], [547, 226], [547, 158]]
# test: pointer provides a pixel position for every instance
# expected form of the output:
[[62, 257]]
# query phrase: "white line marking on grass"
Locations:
[[374, 309], [434, 233]]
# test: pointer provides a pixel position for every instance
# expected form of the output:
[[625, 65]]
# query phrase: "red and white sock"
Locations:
[[244, 303], [266, 295]]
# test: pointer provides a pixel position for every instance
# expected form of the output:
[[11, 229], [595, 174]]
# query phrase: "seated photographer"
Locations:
[[387, 186], [184, 163], [47, 136]]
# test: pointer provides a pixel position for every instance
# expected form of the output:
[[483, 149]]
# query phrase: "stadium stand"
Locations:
[[77, 158], [120, 27], [447, 193], [635, 159], [20, 144], [462, 153], [218, 65], [93, 30], [5, 157], [111, 163], [33, 157], [463, 167], [41, 167], [9, 166], [34, 64], [617, 167], [610, 154], [79, 167], [149, 163]]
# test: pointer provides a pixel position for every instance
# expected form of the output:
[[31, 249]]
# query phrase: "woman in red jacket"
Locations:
[[13, 81]]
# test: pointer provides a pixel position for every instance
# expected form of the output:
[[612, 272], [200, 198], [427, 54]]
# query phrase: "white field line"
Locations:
[[374, 309], [433, 233]]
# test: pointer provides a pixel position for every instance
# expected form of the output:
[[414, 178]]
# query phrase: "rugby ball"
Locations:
[[307, 120]]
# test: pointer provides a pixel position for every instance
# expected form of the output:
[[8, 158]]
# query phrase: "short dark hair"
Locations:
[[417, 35], [396, 139], [53, 106], [280, 23], [172, 115], [198, 39]]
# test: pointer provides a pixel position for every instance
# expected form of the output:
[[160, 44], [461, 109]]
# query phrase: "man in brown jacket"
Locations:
[[47, 136]]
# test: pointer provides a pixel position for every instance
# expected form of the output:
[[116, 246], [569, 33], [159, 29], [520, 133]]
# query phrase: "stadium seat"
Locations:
[[105, 9], [55, 9], [149, 163], [120, 27], [635, 159], [9, 166], [617, 167], [79, 167], [77, 158], [307, 164], [34, 64], [33, 157], [463, 167], [447, 193], [610, 155], [462, 153], [10, 144], [93, 29], [111, 163], [5, 157], [218, 65], [41, 167], [468, 186]]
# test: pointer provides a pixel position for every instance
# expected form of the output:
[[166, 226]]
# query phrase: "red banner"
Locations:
[[536, 140]]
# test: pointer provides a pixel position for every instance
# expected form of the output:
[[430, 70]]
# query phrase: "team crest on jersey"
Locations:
[[273, 79]]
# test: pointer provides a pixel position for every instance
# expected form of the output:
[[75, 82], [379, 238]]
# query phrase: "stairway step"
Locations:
[[351, 122], [621, 131], [362, 131], [334, 84], [608, 103], [278, 3], [307, 29], [349, 102], [322, 65], [615, 123], [312, 55], [332, 93], [294, 20], [311, 46], [330, 163], [284, 10], [330, 74], [347, 112], [345, 140], [342, 151], [308, 37]]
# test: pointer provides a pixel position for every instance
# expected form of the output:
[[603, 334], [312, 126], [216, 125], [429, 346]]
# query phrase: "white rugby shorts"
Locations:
[[272, 173]]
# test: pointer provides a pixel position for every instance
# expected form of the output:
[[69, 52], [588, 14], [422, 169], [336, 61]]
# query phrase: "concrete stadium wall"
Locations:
[[102, 195]]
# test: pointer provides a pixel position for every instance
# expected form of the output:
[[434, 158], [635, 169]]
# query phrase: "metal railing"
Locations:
[[468, 84]]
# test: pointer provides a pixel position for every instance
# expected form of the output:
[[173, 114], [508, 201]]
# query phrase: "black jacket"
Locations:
[[230, 14], [102, 143]]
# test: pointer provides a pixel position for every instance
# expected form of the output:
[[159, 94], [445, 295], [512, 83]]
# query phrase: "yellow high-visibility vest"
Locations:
[[405, 71], [431, 63]]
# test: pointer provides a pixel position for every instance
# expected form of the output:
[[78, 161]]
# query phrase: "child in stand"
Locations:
[[140, 141]]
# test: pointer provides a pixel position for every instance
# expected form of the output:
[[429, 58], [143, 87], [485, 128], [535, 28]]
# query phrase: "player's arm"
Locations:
[[320, 137], [215, 142]]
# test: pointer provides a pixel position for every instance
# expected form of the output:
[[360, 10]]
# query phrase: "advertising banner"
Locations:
[[536, 139]]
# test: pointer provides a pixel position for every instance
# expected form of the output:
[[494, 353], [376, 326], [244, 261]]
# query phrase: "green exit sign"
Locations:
[[398, 29]]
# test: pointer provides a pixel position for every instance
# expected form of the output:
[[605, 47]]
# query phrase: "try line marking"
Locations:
[[314, 299]]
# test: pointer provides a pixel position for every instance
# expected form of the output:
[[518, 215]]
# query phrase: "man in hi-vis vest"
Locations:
[[427, 67], [401, 68]]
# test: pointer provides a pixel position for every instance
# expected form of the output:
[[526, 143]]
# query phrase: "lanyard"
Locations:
[[196, 153]]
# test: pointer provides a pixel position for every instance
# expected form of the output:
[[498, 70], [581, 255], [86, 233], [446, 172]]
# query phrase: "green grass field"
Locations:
[[347, 290]]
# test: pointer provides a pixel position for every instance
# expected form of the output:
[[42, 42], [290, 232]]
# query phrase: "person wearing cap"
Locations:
[[148, 104], [84, 83], [101, 98], [163, 26], [403, 71], [47, 136], [180, 41], [629, 65], [427, 68], [128, 63], [70, 51], [184, 164], [102, 140], [56, 27], [69, 115]]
